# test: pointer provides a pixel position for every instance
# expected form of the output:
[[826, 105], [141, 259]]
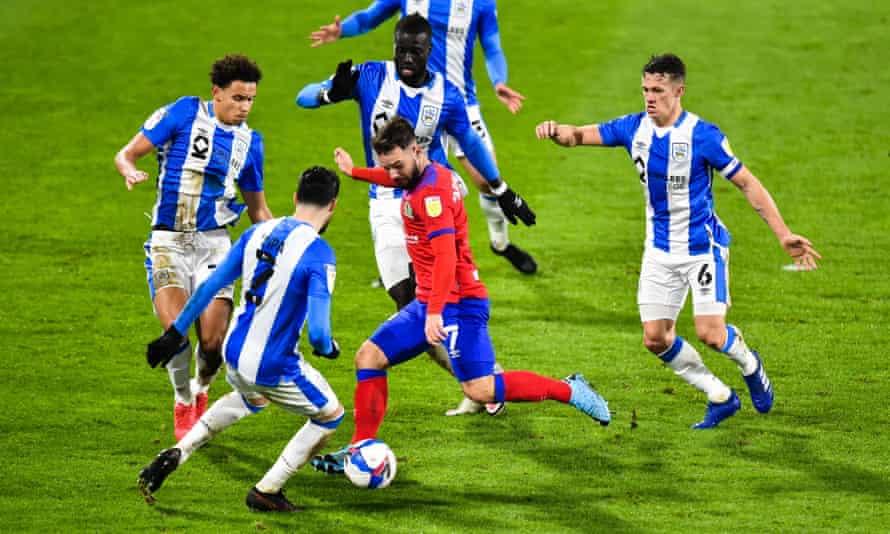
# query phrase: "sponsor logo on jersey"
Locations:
[[433, 206], [679, 151], [429, 115], [407, 210], [677, 182]]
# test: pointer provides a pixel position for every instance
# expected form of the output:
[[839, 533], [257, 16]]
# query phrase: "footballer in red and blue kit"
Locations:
[[447, 280], [451, 305]]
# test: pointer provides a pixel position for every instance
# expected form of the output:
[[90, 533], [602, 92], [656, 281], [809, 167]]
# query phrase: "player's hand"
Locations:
[[343, 161], [335, 351], [547, 130], [513, 205], [326, 34], [510, 98], [343, 83], [162, 350], [135, 177], [434, 329], [801, 251]]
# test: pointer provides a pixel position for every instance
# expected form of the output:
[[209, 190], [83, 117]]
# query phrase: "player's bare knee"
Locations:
[[655, 343], [369, 356]]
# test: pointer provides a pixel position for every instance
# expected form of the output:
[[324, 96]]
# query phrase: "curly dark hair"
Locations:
[[318, 185], [668, 64], [398, 132], [234, 67]]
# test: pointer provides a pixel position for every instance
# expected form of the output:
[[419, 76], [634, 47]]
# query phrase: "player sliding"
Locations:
[[687, 246], [288, 274], [451, 306], [434, 107]]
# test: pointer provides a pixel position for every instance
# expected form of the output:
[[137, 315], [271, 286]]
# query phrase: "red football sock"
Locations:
[[526, 386], [370, 407]]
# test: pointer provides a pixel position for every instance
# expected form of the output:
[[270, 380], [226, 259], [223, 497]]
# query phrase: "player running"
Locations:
[[405, 87], [204, 149], [451, 307], [687, 246], [455, 25], [288, 273]]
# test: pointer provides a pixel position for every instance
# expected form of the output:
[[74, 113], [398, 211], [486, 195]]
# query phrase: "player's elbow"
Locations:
[[308, 97]]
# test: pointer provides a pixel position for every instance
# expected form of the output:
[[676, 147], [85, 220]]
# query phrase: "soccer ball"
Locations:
[[370, 464]]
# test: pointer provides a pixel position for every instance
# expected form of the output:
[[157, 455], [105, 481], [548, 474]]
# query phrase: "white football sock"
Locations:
[[221, 415], [497, 223], [737, 350], [688, 365], [305, 443], [179, 370]]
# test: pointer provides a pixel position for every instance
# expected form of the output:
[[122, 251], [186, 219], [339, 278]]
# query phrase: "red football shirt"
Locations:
[[434, 217]]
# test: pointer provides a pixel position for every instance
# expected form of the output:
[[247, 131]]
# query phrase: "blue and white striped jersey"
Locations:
[[675, 166], [288, 273], [433, 108], [455, 24], [200, 160]]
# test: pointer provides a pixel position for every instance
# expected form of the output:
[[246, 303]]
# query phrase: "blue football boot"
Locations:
[[587, 400], [760, 387], [718, 411], [331, 463]]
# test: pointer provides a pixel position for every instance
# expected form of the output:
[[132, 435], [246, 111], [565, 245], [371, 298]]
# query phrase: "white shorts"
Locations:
[[388, 232], [474, 113], [185, 259], [312, 397], [665, 280]]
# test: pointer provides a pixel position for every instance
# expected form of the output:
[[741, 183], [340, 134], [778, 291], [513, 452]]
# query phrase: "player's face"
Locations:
[[232, 105], [412, 53], [401, 164], [662, 97]]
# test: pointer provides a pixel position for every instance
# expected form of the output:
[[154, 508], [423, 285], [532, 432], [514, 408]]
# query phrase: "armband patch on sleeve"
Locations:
[[331, 272]]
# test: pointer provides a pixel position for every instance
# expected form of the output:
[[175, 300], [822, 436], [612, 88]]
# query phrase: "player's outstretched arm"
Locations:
[[373, 175], [337, 89], [568, 135], [355, 24], [125, 160], [495, 61], [798, 247]]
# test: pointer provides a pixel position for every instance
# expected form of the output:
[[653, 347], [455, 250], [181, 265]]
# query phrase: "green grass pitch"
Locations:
[[800, 88]]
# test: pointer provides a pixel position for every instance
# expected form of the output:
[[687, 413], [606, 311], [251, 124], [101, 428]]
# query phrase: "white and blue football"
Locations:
[[370, 464]]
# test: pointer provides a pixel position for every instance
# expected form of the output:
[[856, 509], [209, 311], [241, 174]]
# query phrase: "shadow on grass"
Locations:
[[793, 451]]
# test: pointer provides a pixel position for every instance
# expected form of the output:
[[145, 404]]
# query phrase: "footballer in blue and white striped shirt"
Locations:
[[204, 150], [288, 274], [456, 24], [687, 246]]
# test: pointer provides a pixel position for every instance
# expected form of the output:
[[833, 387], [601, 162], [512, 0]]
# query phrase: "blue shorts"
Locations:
[[402, 337]]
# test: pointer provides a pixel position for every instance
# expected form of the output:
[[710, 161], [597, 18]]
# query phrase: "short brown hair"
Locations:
[[398, 132]]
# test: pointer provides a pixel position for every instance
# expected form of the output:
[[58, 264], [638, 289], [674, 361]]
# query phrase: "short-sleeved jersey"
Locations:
[[200, 160], [263, 338], [432, 208], [676, 165], [456, 23], [434, 108]]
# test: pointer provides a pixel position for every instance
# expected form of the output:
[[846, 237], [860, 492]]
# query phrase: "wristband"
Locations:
[[499, 190]]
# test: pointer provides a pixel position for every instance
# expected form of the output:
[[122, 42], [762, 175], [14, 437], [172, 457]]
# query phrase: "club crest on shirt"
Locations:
[[433, 206], [679, 151], [429, 115]]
